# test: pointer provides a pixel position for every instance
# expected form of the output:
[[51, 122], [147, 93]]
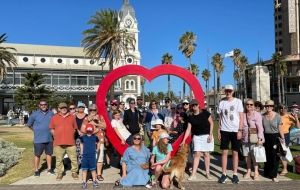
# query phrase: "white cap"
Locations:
[[185, 101], [158, 122], [164, 135], [229, 87]]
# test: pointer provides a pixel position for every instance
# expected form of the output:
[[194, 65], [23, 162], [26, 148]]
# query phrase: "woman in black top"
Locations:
[[200, 125]]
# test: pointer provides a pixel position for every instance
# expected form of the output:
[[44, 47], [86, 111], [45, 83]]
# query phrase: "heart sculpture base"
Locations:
[[148, 74]]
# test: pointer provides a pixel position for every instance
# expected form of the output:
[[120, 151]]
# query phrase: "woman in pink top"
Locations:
[[253, 123]]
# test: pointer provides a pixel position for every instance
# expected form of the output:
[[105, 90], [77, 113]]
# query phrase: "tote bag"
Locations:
[[259, 154]]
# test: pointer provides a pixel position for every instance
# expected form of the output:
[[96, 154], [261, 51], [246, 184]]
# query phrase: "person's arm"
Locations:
[[260, 128], [102, 123], [81, 148], [297, 123], [241, 125], [187, 133], [114, 126], [280, 126], [52, 125], [168, 157], [30, 121], [211, 123]]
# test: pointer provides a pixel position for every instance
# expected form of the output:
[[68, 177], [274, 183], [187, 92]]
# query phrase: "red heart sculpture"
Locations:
[[157, 71]]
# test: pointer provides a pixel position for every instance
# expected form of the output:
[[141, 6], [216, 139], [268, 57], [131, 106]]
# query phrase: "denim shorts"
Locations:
[[39, 148], [88, 163]]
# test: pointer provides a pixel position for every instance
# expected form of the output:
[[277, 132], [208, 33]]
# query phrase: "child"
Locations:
[[158, 128], [120, 129], [160, 158], [177, 130], [88, 145]]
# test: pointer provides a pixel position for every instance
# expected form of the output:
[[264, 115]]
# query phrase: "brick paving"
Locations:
[[245, 185]]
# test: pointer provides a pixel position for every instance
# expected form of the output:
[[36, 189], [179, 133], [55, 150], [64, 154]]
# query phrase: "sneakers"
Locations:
[[95, 184], [235, 179], [84, 185], [148, 185], [75, 176], [50, 172], [36, 174], [275, 180], [223, 179], [59, 177], [192, 178]]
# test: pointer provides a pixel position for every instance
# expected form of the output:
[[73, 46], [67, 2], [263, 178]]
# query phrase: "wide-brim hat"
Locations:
[[158, 122], [229, 87]]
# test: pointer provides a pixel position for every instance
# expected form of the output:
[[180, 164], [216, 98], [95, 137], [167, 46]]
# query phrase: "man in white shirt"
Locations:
[[230, 112]]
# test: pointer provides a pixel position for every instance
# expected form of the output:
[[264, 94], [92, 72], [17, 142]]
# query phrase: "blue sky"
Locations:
[[220, 26]]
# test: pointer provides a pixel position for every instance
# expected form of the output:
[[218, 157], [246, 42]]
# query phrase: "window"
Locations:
[[43, 60], [9, 78], [59, 60], [55, 80], [25, 59], [47, 79], [82, 80], [280, 41], [129, 85], [132, 86], [64, 80], [279, 25], [97, 80], [17, 78], [126, 85]]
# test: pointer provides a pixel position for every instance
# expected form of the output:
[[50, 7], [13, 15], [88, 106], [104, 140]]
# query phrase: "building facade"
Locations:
[[69, 72]]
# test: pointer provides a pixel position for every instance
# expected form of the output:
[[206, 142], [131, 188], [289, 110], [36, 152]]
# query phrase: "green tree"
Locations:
[[242, 68], [150, 96], [7, 59], [32, 91], [187, 45], [206, 75], [106, 40], [167, 59], [279, 68], [217, 62], [160, 96]]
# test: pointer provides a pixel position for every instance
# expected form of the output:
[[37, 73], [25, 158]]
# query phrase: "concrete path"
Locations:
[[112, 174]]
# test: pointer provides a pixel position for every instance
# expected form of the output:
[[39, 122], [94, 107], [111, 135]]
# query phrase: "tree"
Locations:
[[160, 96], [167, 59], [106, 40], [279, 67], [187, 45], [32, 91], [7, 59], [206, 75], [242, 68], [237, 78], [217, 62], [150, 96]]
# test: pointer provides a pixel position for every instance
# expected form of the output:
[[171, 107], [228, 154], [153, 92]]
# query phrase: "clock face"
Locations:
[[128, 22]]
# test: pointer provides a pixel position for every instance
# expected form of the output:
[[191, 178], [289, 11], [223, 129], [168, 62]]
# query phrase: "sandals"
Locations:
[[100, 178], [117, 183]]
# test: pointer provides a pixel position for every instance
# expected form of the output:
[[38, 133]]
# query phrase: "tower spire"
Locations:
[[126, 2]]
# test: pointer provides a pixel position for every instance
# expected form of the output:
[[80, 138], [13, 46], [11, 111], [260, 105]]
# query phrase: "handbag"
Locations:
[[259, 154], [252, 133]]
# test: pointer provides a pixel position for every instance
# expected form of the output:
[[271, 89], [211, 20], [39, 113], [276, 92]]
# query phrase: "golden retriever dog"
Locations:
[[177, 166]]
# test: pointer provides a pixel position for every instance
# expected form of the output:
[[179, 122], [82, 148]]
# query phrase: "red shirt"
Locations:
[[64, 128]]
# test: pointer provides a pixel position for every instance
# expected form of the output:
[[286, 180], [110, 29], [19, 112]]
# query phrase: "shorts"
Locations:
[[287, 139], [230, 137], [101, 154], [88, 163], [39, 148], [201, 144]]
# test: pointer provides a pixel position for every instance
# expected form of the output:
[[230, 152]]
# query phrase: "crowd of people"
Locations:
[[81, 136]]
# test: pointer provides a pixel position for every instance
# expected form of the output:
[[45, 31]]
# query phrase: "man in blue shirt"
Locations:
[[39, 123]]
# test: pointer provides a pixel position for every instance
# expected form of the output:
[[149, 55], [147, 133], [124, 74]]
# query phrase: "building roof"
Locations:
[[47, 50], [126, 9]]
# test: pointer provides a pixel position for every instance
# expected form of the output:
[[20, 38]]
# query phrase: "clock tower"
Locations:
[[130, 85]]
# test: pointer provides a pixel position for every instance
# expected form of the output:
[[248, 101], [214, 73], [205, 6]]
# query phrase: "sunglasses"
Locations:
[[81, 107], [167, 101], [267, 106], [195, 105], [229, 91], [132, 102], [43, 104], [92, 110], [137, 138], [114, 105], [72, 108], [249, 104], [185, 103], [63, 108]]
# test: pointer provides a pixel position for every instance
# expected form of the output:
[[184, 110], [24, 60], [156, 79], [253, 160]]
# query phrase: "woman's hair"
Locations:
[[115, 112], [248, 100], [162, 147], [150, 105], [258, 104], [137, 135]]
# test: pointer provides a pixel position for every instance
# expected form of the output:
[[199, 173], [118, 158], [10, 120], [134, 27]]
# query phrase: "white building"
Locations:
[[68, 71]]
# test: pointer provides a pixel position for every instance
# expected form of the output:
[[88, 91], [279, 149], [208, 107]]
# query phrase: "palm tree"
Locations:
[[106, 40], [150, 96], [206, 75], [167, 59], [237, 78], [283, 72], [217, 62], [187, 45], [143, 87], [236, 63], [277, 61], [7, 59], [242, 68], [195, 71], [160, 96]]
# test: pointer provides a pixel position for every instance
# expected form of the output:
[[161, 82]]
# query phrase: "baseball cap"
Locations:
[[89, 128], [173, 106], [194, 101], [114, 102], [185, 101], [62, 105], [229, 87], [164, 135], [80, 104]]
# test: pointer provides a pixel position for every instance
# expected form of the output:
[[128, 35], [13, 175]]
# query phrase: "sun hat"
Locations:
[[229, 87], [89, 128], [93, 107], [269, 103], [164, 135], [158, 122]]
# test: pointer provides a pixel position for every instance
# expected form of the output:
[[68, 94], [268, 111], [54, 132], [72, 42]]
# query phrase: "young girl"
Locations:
[[159, 128], [120, 129], [161, 155]]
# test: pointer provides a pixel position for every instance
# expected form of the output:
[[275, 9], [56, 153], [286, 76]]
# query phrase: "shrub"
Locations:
[[9, 156]]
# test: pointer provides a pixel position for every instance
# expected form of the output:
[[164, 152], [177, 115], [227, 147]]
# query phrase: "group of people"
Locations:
[[82, 137]]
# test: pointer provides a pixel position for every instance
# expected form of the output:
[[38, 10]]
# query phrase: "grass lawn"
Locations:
[[22, 138]]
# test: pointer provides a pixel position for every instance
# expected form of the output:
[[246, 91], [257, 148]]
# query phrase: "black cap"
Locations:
[[194, 101]]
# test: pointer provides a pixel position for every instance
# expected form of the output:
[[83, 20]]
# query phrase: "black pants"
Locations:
[[271, 166]]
